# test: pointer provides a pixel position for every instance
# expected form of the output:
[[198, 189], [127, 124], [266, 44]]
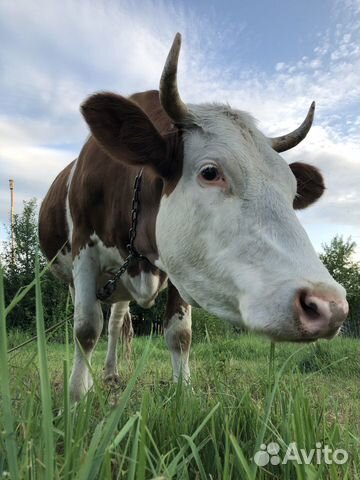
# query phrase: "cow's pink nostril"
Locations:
[[319, 313], [310, 308]]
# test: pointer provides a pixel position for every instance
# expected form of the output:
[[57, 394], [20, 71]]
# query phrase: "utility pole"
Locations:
[[11, 185]]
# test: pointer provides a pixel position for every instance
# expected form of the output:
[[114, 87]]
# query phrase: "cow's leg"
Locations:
[[119, 313], [177, 331], [88, 320]]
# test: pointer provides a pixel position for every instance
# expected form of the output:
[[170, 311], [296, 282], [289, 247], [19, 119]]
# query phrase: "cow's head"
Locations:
[[226, 230]]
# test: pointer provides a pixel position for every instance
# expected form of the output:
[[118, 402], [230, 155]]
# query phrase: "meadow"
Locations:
[[245, 393]]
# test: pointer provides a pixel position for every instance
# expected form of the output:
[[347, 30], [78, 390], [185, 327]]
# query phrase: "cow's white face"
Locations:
[[229, 238]]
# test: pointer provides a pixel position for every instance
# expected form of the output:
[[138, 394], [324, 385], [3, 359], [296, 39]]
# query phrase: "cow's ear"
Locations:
[[310, 184], [124, 131]]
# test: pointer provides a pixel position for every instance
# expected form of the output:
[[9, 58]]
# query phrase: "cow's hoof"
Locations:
[[112, 379]]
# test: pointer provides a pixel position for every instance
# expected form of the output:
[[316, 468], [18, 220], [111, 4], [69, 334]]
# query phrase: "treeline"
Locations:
[[338, 258], [18, 264]]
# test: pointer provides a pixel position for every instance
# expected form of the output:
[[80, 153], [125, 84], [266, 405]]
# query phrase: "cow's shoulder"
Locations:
[[100, 198]]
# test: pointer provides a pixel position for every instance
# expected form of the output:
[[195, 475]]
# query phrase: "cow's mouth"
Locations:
[[303, 338], [294, 339]]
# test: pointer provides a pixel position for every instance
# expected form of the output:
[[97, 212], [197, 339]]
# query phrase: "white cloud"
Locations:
[[279, 66]]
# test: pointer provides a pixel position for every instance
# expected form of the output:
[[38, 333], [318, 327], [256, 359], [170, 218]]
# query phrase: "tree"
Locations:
[[338, 257], [18, 264]]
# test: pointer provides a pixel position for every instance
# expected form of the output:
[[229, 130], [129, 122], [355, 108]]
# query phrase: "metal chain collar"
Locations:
[[108, 289]]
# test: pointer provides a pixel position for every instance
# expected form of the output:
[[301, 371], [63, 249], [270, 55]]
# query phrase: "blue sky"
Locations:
[[271, 58], [266, 32]]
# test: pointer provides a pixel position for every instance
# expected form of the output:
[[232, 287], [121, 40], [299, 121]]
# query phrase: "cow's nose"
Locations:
[[320, 313]]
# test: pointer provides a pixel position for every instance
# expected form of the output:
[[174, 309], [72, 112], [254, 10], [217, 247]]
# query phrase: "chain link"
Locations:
[[108, 289], [135, 207]]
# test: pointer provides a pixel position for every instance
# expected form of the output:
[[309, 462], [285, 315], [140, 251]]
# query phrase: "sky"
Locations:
[[270, 58]]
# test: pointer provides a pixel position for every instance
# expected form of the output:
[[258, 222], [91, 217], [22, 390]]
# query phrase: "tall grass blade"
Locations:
[[271, 364], [140, 473], [124, 431], [92, 463], [45, 390], [134, 453], [10, 441], [67, 406], [241, 459], [270, 401], [174, 465], [196, 456]]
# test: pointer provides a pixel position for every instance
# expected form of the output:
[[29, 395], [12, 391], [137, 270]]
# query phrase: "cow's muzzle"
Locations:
[[319, 312]]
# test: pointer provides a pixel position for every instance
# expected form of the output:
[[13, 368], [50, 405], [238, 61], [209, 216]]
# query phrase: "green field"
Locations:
[[239, 399], [246, 396]]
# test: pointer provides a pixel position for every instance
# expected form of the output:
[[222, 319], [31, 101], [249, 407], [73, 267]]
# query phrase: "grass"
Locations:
[[244, 394]]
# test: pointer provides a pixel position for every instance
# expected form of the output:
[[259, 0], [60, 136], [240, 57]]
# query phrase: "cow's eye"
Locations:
[[210, 173]]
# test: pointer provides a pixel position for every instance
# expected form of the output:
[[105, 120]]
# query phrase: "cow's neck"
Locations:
[[152, 189], [149, 198]]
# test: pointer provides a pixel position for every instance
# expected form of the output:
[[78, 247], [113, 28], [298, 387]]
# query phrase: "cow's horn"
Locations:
[[281, 144], [169, 94]]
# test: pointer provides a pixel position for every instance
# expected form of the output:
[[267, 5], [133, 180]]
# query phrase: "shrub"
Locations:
[[204, 322]]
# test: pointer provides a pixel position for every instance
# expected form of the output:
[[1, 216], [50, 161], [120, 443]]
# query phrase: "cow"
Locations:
[[216, 224]]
